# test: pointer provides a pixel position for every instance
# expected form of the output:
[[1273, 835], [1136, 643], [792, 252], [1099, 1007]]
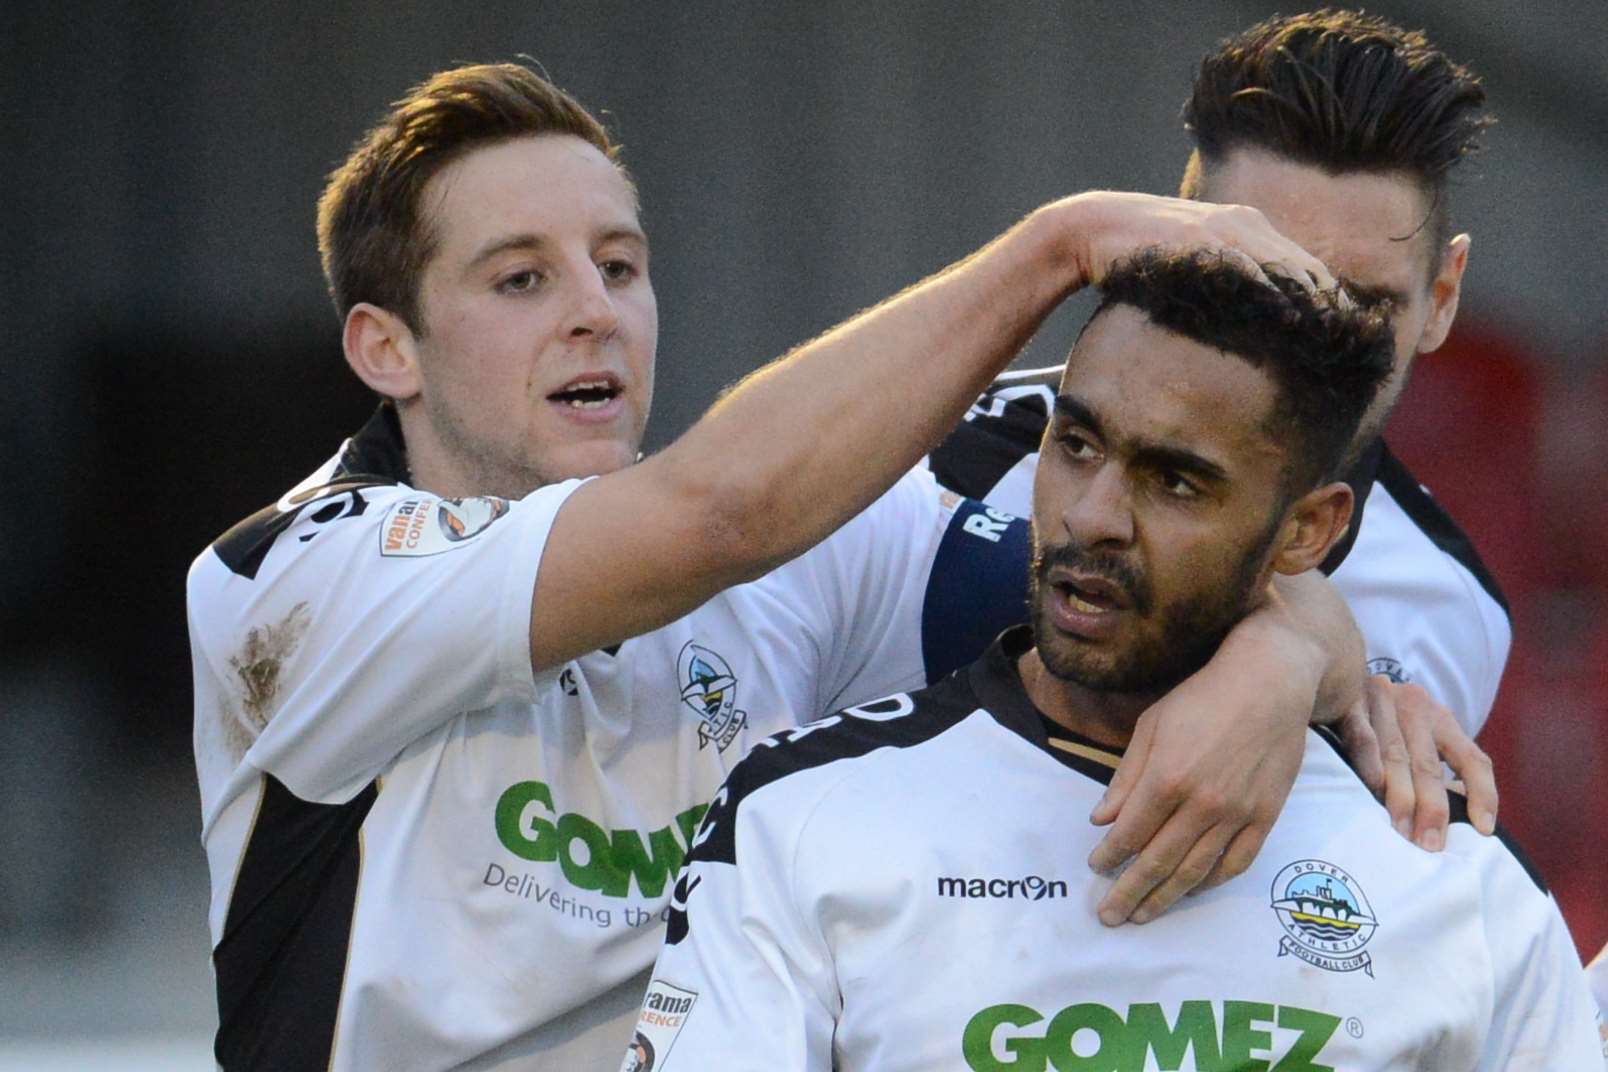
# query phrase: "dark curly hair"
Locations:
[[1343, 91], [1326, 354]]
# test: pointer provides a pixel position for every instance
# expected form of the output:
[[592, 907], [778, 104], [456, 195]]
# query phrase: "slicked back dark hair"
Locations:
[[1343, 91], [373, 238], [1326, 355]]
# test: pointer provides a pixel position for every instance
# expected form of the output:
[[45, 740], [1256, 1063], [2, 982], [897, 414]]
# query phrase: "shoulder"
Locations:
[[1001, 430], [1420, 526], [812, 758]]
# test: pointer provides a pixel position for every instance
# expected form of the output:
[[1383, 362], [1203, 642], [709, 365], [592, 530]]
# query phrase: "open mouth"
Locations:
[[1086, 601], [589, 393], [1092, 594]]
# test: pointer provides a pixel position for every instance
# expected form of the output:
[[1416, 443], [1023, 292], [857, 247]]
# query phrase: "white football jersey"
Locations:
[[1597, 972], [423, 855], [1429, 610], [903, 887]]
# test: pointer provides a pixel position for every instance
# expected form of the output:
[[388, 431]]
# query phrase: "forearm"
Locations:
[[803, 445], [830, 426], [1307, 619]]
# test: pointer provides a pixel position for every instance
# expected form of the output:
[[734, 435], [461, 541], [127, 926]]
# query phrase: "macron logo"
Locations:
[[1031, 888]]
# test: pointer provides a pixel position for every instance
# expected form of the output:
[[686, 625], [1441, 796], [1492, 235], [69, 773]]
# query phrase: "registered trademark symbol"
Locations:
[[1354, 1027]]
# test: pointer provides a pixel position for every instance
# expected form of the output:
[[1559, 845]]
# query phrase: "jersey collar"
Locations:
[[997, 685], [377, 452]]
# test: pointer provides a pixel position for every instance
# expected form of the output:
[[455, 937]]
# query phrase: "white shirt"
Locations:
[[423, 855], [1428, 609], [903, 887]]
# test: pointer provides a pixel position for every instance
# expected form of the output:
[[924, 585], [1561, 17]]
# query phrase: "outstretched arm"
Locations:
[[804, 444]]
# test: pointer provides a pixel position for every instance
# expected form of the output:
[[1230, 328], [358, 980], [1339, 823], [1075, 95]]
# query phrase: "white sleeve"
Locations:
[[1597, 975], [1424, 616], [744, 982], [1542, 1015], [916, 585], [329, 634]]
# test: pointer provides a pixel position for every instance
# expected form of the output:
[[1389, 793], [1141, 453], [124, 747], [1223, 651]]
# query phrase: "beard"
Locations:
[[1188, 631]]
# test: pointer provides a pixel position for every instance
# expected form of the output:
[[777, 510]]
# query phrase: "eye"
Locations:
[[617, 271], [1176, 484], [519, 282], [1077, 447]]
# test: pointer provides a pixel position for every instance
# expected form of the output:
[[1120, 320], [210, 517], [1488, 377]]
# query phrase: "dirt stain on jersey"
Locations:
[[258, 665]]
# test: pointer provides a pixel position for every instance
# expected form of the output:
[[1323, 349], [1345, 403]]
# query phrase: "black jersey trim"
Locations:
[[997, 685], [371, 458], [1433, 521], [910, 719], [281, 963], [844, 735], [977, 587], [997, 434], [377, 451]]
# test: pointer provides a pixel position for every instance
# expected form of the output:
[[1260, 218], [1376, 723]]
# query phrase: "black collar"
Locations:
[[377, 452], [997, 685]]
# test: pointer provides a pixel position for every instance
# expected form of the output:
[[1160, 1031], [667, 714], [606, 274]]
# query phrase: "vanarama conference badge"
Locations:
[[664, 1009], [1326, 917], [426, 525]]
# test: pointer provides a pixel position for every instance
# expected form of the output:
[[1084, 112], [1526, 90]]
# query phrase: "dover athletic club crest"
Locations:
[[1326, 917], [708, 687]]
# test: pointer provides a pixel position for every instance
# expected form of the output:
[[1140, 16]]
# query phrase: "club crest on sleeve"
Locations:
[[665, 1009], [425, 525], [1325, 915], [710, 689]]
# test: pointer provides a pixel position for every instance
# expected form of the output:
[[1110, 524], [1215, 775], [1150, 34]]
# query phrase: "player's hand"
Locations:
[[1205, 776], [1397, 737], [1107, 226]]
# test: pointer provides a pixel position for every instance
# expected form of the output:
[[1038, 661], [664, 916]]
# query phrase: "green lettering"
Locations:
[[628, 857], [1196, 1026], [977, 1041], [1239, 1037], [598, 871], [1316, 1029], [523, 821], [1104, 1022]]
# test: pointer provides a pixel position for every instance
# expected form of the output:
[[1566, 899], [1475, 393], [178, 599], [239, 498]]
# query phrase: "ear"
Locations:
[[1444, 291], [1312, 526], [382, 351]]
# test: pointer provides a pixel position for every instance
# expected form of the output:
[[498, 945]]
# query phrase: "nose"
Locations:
[[591, 311], [1099, 510]]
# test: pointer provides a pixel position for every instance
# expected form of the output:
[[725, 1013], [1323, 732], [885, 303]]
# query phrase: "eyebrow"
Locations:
[[1074, 410], [535, 242], [1375, 295], [1154, 455]]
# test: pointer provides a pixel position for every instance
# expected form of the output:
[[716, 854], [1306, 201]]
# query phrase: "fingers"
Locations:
[[1362, 747], [1128, 773], [1239, 855], [1393, 756], [1112, 225], [1473, 768], [1175, 862], [1480, 787], [1249, 231], [1431, 811]]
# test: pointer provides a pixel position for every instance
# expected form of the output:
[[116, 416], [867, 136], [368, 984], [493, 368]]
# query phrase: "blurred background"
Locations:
[[174, 363]]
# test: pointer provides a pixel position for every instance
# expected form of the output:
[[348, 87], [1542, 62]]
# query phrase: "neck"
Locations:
[[1108, 718]]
